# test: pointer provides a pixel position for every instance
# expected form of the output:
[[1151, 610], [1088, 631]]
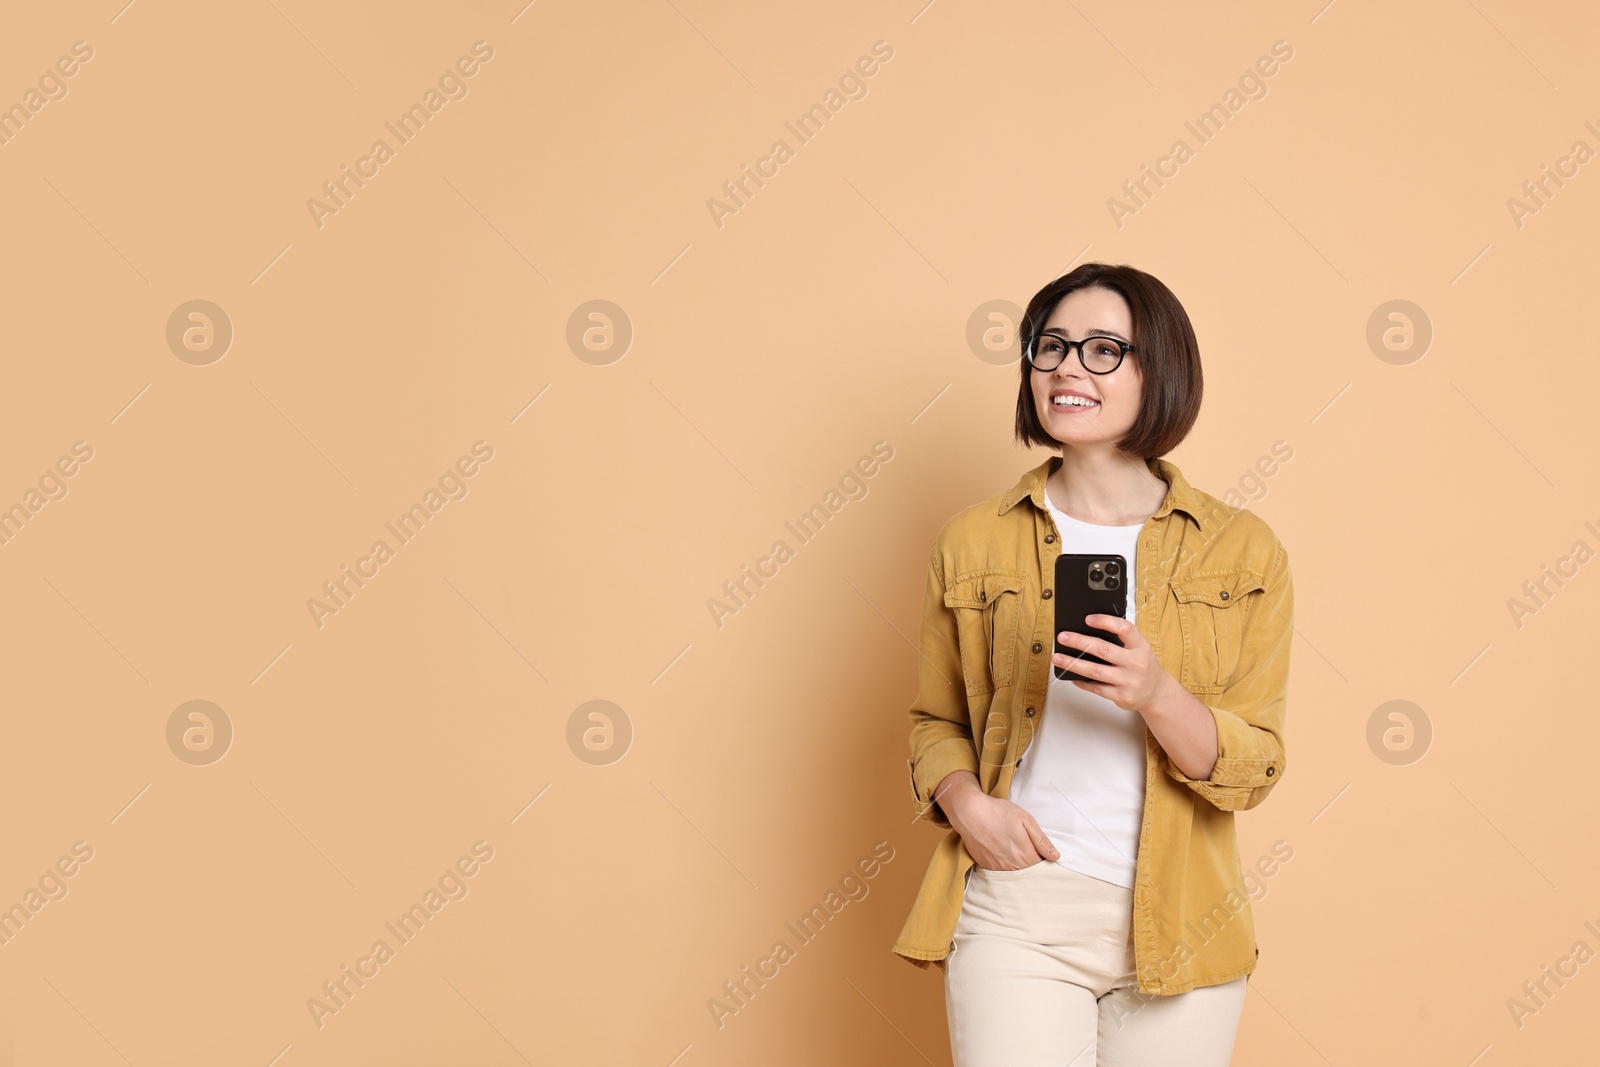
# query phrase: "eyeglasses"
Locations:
[[1097, 353]]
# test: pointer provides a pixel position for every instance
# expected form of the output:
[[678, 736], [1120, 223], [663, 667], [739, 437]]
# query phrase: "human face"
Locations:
[[1116, 395]]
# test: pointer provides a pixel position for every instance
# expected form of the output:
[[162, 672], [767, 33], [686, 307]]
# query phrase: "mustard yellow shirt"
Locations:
[[1215, 601]]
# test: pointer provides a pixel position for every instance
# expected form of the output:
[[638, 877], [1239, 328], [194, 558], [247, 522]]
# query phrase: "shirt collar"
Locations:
[[1180, 495]]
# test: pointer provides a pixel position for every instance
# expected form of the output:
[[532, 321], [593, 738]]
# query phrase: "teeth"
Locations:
[[1073, 402]]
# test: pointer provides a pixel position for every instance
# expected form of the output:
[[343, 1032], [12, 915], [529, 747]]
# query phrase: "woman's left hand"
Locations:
[[1132, 678]]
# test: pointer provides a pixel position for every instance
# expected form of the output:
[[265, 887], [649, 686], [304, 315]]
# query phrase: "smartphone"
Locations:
[[1088, 584]]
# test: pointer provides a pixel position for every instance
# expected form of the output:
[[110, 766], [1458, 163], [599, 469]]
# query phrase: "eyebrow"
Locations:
[[1092, 333]]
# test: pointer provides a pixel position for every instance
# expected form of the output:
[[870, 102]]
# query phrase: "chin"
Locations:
[[1067, 422]]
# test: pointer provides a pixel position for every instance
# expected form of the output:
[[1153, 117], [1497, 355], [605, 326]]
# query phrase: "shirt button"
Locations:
[[1048, 594], [1224, 594], [983, 595], [1029, 714], [1049, 539], [1269, 772], [1037, 647]]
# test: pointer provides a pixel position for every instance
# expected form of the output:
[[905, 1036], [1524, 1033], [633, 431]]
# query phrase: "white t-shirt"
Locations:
[[1082, 777]]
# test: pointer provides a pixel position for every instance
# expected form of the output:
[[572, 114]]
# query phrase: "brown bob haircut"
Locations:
[[1165, 346]]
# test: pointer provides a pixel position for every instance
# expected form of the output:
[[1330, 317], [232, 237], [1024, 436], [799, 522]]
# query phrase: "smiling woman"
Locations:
[[1090, 819]]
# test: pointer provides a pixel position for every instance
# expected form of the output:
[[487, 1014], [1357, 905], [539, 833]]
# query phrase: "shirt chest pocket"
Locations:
[[1212, 609], [988, 609]]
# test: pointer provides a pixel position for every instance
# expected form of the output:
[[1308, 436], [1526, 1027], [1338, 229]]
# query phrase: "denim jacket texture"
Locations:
[[1215, 601]]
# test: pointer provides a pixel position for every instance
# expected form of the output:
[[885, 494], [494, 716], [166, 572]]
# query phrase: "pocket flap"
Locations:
[[980, 588], [1221, 589]]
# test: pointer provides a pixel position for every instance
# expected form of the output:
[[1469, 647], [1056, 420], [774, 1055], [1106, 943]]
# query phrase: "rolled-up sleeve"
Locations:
[[1249, 713], [941, 730]]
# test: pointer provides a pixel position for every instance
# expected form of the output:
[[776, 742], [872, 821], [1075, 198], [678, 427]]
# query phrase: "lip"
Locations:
[[1071, 392]]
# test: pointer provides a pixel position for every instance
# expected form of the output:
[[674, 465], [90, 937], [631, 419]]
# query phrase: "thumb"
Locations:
[[1041, 843]]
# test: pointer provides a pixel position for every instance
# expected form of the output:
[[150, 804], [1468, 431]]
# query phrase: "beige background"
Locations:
[[768, 355]]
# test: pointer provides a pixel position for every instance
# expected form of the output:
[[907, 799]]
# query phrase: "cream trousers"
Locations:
[[1041, 974]]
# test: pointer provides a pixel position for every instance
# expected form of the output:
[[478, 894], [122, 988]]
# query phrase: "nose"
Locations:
[[1071, 368]]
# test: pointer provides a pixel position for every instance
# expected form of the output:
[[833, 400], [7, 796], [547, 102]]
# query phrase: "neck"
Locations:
[[1105, 488]]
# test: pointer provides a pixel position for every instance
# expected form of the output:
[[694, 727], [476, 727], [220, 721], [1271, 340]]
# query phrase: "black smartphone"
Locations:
[[1088, 584]]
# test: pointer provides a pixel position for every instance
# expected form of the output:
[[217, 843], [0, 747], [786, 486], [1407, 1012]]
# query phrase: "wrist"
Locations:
[[1161, 698], [955, 792]]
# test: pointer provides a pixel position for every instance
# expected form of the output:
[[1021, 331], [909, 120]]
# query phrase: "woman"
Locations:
[[1087, 904]]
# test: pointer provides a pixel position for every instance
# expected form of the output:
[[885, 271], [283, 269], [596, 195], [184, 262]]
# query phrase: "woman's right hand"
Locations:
[[999, 835]]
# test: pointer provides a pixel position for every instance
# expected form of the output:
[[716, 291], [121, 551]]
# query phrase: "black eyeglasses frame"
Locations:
[[1123, 348]]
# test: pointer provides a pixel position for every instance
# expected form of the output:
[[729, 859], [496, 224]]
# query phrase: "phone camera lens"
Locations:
[[1112, 567], [1112, 581]]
